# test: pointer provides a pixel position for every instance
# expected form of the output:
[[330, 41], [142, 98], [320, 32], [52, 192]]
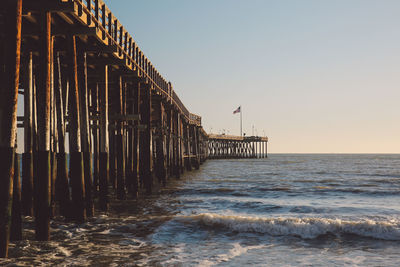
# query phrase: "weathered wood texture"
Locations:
[[136, 141], [146, 158], [61, 186], [85, 130], [10, 50], [27, 157], [78, 210], [119, 142], [43, 180], [16, 220], [104, 139]]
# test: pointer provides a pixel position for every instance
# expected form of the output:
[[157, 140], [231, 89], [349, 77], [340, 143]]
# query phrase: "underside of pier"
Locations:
[[99, 119]]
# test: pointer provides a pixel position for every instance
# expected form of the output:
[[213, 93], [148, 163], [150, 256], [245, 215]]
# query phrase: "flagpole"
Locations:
[[241, 121]]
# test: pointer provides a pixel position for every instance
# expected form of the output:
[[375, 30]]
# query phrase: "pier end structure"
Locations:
[[221, 146]]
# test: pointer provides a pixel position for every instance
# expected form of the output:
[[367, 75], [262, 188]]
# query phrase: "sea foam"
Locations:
[[307, 228]]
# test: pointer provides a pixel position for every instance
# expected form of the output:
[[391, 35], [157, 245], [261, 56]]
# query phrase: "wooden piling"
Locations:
[[160, 142], [196, 162], [119, 143], [104, 140], [125, 137], [6, 172], [53, 170], [95, 133], [266, 150], [53, 135], [16, 220], [61, 183], [27, 156], [136, 137], [169, 145], [146, 158], [27, 184], [113, 157], [43, 178], [188, 148], [35, 138], [131, 149], [9, 81], [78, 211], [181, 143], [129, 142], [177, 147], [85, 130]]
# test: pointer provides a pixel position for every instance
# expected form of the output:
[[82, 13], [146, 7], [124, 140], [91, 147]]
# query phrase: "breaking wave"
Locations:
[[307, 228]]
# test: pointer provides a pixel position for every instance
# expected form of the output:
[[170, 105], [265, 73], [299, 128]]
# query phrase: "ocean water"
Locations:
[[287, 210]]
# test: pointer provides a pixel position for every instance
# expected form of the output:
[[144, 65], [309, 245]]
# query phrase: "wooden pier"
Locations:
[[235, 147], [91, 94], [99, 121]]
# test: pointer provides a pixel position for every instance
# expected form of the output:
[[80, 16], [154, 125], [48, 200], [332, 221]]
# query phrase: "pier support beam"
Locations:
[[85, 130], [61, 186], [146, 155], [266, 150], [112, 155], [43, 179], [78, 211], [94, 112], [160, 144], [169, 163], [136, 137], [188, 161], [174, 136], [181, 142], [16, 221], [177, 146], [10, 51], [129, 138], [196, 159], [119, 142], [27, 156], [53, 136], [104, 140]]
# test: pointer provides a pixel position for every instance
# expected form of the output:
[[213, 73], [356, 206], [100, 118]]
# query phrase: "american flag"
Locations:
[[237, 110]]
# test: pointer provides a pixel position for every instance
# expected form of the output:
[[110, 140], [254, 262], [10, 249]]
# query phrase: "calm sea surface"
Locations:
[[288, 210]]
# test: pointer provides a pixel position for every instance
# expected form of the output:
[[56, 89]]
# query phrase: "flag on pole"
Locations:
[[237, 110]]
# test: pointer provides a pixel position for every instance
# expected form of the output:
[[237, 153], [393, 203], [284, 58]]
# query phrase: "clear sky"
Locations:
[[313, 75], [316, 76]]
